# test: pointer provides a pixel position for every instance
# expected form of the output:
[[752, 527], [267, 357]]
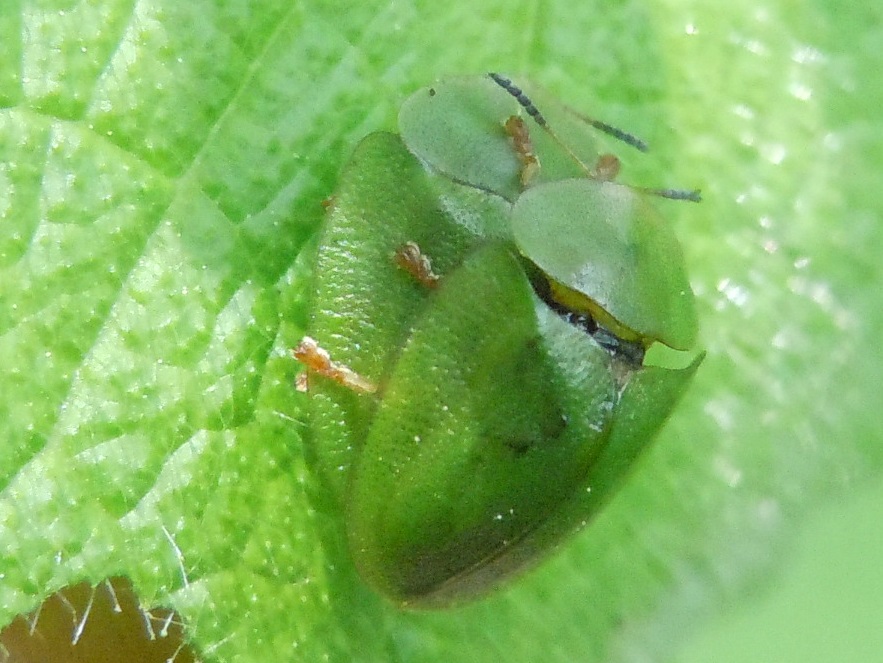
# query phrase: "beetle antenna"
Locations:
[[610, 130], [525, 102], [521, 98], [627, 138], [694, 196]]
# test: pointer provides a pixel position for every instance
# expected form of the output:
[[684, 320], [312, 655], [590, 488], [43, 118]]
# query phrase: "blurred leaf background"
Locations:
[[162, 166]]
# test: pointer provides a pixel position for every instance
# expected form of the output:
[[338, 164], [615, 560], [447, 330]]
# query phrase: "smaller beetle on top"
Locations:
[[606, 252], [485, 296]]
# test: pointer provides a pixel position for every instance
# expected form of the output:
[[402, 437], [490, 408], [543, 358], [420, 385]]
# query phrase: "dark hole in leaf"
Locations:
[[101, 624]]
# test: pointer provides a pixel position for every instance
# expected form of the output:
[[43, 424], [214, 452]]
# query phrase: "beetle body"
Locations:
[[508, 394]]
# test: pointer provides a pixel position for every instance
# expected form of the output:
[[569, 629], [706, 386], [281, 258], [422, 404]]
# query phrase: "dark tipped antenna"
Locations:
[[694, 196], [530, 109], [627, 138], [520, 97], [610, 130]]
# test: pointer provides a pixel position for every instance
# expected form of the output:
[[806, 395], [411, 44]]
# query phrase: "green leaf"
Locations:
[[162, 167]]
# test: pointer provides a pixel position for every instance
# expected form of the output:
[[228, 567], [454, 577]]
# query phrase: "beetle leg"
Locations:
[[606, 168], [319, 362], [530, 162], [410, 258]]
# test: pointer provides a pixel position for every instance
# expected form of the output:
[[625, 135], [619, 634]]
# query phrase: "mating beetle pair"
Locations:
[[485, 295]]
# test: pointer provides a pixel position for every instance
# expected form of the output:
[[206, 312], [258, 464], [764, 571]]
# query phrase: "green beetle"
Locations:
[[484, 299]]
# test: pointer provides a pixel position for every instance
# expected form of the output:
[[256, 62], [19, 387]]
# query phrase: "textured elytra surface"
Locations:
[[495, 428], [163, 165]]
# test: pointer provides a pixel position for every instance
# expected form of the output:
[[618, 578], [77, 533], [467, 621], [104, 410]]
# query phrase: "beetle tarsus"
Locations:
[[318, 361], [607, 168], [410, 258], [520, 135]]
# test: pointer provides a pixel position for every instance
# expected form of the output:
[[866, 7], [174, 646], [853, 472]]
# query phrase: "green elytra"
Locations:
[[500, 420]]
